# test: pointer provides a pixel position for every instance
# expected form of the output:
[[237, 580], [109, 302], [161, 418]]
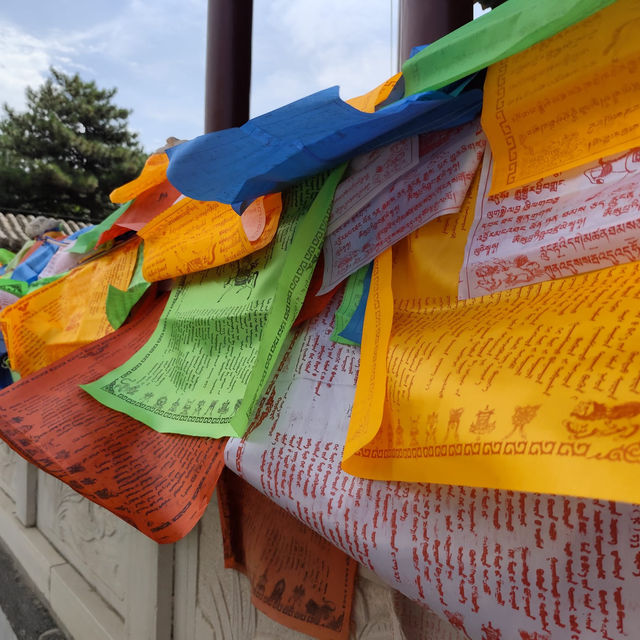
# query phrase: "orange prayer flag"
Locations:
[[194, 235], [368, 101], [142, 210], [153, 172]]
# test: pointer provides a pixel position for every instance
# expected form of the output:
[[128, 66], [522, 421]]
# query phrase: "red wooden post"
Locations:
[[424, 21], [228, 66]]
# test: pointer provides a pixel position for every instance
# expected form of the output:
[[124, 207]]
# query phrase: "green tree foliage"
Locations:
[[67, 151]]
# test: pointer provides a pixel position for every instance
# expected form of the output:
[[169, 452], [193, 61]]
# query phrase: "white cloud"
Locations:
[[153, 54], [304, 46], [24, 62]]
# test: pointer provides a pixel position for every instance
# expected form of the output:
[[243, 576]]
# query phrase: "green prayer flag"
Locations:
[[88, 240], [119, 303], [350, 301], [6, 256], [504, 31], [205, 367], [17, 288], [17, 258]]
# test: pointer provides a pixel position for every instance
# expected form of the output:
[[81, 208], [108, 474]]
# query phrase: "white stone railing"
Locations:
[[104, 580]]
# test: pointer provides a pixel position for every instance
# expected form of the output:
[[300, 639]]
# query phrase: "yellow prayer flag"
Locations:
[[368, 101], [193, 235], [60, 317], [443, 240], [567, 100], [414, 278], [533, 389]]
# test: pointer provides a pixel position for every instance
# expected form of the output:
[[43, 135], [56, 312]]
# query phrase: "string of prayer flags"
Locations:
[[205, 367], [308, 136], [29, 270], [193, 236], [52, 256], [20, 255], [65, 314], [503, 32], [161, 484], [63, 260], [565, 101]]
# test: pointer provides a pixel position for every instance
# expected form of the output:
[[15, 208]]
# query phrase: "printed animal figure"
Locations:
[[483, 423], [453, 425], [160, 402], [521, 417], [522, 270], [319, 612], [593, 418], [591, 410], [489, 276], [507, 273], [245, 278], [615, 168]]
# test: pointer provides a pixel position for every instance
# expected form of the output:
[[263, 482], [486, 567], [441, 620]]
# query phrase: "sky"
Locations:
[[154, 53]]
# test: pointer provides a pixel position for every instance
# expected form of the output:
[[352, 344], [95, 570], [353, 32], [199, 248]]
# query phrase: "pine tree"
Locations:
[[67, 151]]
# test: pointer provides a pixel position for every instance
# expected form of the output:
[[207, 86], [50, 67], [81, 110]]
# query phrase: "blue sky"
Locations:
[[154, 53]]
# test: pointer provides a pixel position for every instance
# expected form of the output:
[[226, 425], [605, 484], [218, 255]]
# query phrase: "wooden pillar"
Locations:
[[228, 65], [425, 21]]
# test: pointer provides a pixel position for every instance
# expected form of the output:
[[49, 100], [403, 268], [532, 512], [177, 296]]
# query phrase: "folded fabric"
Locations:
[[318, 132], [29, 270], [352, 333]]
